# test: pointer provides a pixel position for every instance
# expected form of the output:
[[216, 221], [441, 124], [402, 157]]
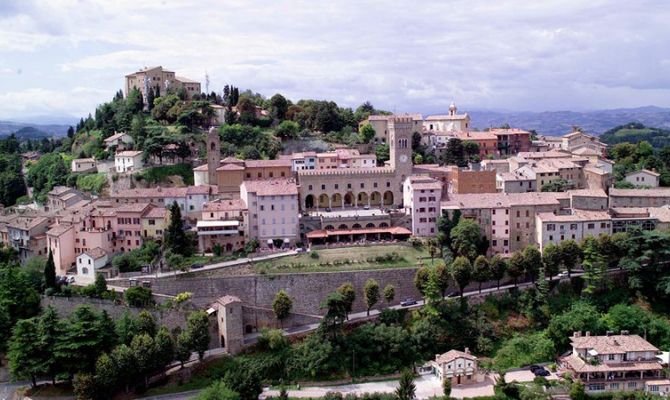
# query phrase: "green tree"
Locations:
[[25, 352], [557, 185], [81, 342], [84, 386], [244, 381], [421, 279], [50, 272], [466, 238], [348, 294], [198, 332], [580, 317], [165, 347], [145, 323], [481, 272], [49, 330], [406, 389], [217, 391], [389, 293], [442, 279], [144, 353], [498, 267], [281, 306], [471, 150], [100, 284], [577, 391], [126, 365], [571, 254], [516, 266], [182, 348], [278, 106], [382, 153], [593, 265], [551, 258], [532, 260], [336, 313], [366, 133], [126, 328], [454, 153], [287, 130], [174, 238], [461, 272], [446, 387], [371, 292], [106, 374], [106, 327], [138, 296]]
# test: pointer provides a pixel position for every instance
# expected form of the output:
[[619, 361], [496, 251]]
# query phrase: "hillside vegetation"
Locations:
[[635, 132]]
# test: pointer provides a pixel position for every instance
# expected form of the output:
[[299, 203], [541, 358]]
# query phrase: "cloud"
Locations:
[[408, 56]]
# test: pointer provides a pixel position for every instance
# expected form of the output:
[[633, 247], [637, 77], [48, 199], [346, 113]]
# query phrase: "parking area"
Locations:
[[525, 375]]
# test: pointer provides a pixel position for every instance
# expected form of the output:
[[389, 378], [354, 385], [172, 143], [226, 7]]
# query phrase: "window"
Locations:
[[323, 187], [310, 187], [591, 226], [551, 227], [610, 357]]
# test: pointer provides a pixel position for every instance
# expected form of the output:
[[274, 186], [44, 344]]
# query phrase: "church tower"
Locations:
[[213, 155], [400, 145]]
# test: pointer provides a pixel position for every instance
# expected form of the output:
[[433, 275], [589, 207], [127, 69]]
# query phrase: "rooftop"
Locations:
[[115, 136], [614, 344], [128, 153], [645, 171], [451, 355], [576, 216], [224, 205], [500, 200], [96, 253], [656, 192], [272, 187], [588, 193], [267, 163]]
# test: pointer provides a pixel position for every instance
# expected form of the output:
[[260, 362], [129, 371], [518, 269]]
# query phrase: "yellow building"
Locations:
[[155, 222]]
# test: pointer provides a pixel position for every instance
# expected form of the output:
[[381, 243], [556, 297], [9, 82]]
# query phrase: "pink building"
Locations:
[[273, 211], [223, 223]]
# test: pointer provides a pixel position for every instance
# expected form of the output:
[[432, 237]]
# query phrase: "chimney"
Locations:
[[587, 333], [467, 350]]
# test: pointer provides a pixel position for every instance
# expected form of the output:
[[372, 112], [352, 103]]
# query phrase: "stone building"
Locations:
[[643, 177], [578, 225], [160, 80], [272, 211], [460, 367], [639, 197]]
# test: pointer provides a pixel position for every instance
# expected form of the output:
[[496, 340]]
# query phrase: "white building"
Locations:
[[119, 140], [273, 211], [552, 228], [90, 262], [451, 122], [128, 161], [515, 182], [421, 198], [83, 165], [644, 177], [458, 366]]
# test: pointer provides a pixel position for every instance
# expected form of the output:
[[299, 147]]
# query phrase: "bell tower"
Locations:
[[213, 155], [400, 145]]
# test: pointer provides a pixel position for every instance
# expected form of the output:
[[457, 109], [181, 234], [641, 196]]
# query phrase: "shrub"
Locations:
[[314, 255], [138, 296]]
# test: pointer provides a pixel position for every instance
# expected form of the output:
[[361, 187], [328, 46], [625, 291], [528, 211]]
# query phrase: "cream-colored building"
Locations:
[[119, 141], [83, 165], [159, 80], [451, 122], [460, 367], [639, 197], [89, 264], [580, 224], [380, 124], [422, 196], [644, 177]]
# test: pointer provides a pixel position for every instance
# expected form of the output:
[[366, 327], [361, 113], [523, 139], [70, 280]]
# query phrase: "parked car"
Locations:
[[452, 294], [366, 207], [563, 274], [541, 372], [196, 266], [534, 368], [408, 302]]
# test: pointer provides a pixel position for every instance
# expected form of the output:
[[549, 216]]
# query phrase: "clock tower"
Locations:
[[400, 145]]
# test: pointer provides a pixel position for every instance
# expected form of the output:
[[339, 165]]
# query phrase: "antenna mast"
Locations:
[[206, 82]]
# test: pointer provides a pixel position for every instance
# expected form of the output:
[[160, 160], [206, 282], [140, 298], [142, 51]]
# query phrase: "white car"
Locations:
[[563, 274]]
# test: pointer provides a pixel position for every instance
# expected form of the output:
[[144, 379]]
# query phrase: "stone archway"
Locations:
[[388, 198], [309, 201], [370, 225], [343, 226], [329, 228], [336, 201], [375, 199], [362, 199], [356, 226], [349, 200], [383, 225], [324, 201]]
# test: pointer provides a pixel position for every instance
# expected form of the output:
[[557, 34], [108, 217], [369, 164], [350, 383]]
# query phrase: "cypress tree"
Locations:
[[50, 272]]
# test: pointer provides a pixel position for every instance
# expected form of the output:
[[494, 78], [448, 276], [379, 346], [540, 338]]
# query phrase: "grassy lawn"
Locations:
[[161, 173], [348, 259], [203, 376]]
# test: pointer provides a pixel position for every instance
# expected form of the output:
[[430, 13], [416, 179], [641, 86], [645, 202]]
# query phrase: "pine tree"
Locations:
[[165, 347], [175, 238], [49, 329], [50, 272], [80, 344], [126, 328], [146, 323], [100, 284], [406, 389], [198, 332], [25, 352], [106, 328]]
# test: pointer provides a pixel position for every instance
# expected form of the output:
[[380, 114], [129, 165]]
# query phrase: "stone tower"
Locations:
[[400, 145], [213, 155], [231, 324]]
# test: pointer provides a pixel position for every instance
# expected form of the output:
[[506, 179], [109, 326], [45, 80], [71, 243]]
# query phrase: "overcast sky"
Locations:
[[63, 57]]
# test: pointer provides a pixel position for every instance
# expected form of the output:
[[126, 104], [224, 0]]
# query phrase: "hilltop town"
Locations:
[[280, 243]]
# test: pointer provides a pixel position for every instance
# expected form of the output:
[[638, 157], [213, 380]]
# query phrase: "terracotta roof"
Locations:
[[58, 230], [116, 136], [231, 159], [224, 205], [96, 253], [395, 230], [58, 190], [419, 182], [576, 216], [132, 207], [656, 192], [267, 163], [128, 153], [86, 160], [203, 167], [27, 223], [201, 189], [614, 344], [512, 131], [156, 212], [163, 192], [272, 187], [578, 365], [499, 200], [185, 80], [588, 193], [582, 151], [646, 171], [475, 135], [452, 355], [227, 299], [230, 167], [595, 170]]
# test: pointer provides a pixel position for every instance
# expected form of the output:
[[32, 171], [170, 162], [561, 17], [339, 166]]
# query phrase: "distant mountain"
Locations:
[[561, 122], [32, 130]]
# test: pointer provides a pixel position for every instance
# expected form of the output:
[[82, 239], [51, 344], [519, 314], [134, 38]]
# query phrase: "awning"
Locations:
[[394, 230]]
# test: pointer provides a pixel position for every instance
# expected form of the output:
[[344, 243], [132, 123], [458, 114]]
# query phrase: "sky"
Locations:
[[61, 58]]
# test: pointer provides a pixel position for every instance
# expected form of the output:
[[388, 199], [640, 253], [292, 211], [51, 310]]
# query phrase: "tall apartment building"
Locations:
[[224, 223], [273, 211], [159, 80], [422, 196]]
